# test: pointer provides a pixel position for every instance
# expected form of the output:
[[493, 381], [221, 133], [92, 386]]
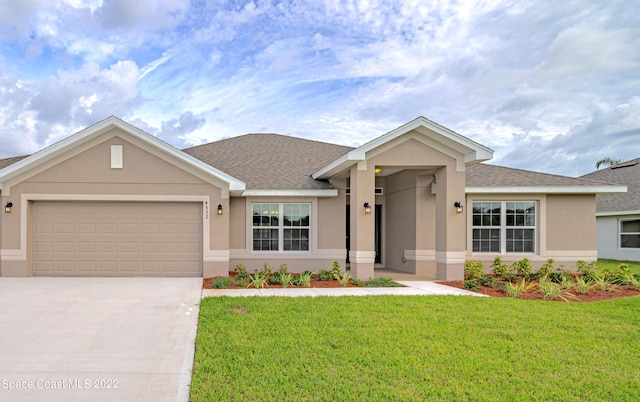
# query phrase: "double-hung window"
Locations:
[[630, 233], [281, 227], [504, 226]]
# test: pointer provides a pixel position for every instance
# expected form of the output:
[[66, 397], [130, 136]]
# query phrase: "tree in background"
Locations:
[[608, 161]]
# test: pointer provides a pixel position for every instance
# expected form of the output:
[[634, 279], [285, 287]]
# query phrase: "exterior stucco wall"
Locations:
[[608, 239], [327, 233], [565, 229], [571, 222], [85, 174]]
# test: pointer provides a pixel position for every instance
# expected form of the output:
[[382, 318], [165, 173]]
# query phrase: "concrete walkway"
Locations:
[[97, 339], [411, 288]]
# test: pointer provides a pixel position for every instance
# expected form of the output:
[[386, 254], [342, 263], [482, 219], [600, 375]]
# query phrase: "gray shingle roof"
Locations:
[[270, 161], [626, 174], [485, 175], [10, 161]]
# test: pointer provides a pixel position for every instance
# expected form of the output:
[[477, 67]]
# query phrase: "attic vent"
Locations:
[[116, 157], [376, 191]]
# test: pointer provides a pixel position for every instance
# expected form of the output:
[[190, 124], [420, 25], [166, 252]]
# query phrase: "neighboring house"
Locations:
[[618, 215], [112, 200]]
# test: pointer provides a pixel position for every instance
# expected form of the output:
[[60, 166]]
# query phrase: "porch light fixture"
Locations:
[[458, 207], [7, 208], [378, 170], [367, 208], [219, 209]]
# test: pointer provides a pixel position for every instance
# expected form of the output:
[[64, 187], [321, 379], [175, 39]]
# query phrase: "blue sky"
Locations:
[[551, 86]]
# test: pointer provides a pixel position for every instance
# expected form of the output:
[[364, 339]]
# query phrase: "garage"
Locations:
[[117, 238]]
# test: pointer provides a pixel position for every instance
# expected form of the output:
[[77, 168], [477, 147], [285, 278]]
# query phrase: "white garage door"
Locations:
[[117, 239]]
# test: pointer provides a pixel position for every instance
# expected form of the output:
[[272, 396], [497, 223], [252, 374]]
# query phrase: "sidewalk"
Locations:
[[411, 288]]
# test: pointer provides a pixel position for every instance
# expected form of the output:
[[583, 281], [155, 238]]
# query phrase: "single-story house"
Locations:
[[112, 200], [618, 214]]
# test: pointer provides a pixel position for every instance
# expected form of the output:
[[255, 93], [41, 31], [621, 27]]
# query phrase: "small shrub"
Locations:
[[382, 282], [221, 283], [549, 290], [588, 270], [488, 281], [515, 290], [499, 268], [275, 279], [344, 279], [632, 280], [325, 275], [522, 268], [283, 269], [617, 276], [335, 270], [567, 283], [473, 270], [510, 278], [546, 268], [304, 279], [242, 282], [241, 271], [583, 286], [259, 280], [471, 285], [286, 279], [358, 282], [601, 283], [267, 270]]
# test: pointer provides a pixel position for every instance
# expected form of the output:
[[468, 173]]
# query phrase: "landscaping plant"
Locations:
[[344, 279], [221, 283], [499, 268], [473, 270], [515, 290]]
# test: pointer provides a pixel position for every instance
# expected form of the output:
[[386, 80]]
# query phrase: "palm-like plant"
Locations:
[[608, 161]]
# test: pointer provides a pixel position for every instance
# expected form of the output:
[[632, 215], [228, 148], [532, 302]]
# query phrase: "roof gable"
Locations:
[[85, 136], [465, 150]]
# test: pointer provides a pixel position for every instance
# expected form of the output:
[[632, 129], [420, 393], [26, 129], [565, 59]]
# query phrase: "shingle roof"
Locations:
[[10, 161], [485, 175], [626, 174], [270, 161]]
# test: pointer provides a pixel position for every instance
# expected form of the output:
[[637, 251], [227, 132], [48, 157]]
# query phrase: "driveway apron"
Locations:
[[97, 339]]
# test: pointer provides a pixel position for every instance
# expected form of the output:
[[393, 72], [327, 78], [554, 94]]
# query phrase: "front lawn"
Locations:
[[416, 348], [603, 263]]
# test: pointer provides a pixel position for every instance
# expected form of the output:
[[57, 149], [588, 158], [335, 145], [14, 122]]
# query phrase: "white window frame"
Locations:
[[281, 227], [621, 233], [503, 227]]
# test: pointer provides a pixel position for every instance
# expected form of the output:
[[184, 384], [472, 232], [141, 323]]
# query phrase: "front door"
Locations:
[[377, 237]]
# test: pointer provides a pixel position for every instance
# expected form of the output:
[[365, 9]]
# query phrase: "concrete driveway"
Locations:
[[97, 339]]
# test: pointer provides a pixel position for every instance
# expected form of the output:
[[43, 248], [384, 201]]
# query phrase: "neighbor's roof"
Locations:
[[626, 174], [271, 161], [10, 161], [485, 178]]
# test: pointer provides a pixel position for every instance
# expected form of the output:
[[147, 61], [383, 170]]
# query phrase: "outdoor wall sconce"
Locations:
[[378, 170], [7, 208], [367, 208], [458, 207], [219, 209]]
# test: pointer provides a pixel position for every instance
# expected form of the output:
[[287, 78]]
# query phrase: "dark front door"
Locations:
[[377, 229]]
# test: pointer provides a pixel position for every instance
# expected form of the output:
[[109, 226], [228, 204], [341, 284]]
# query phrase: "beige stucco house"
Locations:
[[112, 200]]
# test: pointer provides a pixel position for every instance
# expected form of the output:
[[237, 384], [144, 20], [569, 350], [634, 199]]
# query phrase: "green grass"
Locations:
[[634, 266], [406, 348]]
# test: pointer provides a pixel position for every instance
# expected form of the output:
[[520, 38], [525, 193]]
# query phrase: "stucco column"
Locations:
[[362, 247], [450, 226]]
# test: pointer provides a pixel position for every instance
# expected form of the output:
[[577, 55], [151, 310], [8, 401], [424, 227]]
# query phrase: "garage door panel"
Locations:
[[117, 239]]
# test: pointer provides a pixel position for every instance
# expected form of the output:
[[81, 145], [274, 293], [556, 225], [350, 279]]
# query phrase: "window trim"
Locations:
[[503, 227], [281, 227], [621, 233]]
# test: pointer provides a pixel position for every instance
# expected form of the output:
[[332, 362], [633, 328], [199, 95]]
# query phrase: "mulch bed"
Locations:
[[315, 283], [593, 295]]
